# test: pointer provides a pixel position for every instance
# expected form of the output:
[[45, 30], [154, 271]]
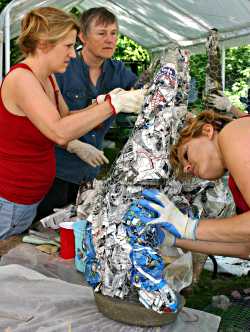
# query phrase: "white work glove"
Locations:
[[220, 102], [168, 217], [124, 101], [87, 153], [101, 98]]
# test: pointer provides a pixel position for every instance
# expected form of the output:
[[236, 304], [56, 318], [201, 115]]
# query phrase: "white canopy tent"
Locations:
[[156, 25]]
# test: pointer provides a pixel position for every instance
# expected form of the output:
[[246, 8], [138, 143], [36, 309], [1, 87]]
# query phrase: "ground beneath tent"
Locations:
[[236, 316]]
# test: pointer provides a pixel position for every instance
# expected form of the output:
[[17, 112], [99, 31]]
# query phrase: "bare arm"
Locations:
[[241, 250], [41, 111], [232, 229], [234, 144], [84, 109]]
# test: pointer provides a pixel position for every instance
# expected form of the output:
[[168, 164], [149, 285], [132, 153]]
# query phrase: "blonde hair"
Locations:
[[194, 129], [46, 24]]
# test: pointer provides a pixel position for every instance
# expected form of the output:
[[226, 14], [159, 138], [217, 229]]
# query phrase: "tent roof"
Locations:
[[159, 24]]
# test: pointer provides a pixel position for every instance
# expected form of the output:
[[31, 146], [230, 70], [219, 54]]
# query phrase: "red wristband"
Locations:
[[108, 98]]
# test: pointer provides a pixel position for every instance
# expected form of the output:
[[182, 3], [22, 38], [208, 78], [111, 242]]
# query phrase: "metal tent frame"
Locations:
[[155, 25]]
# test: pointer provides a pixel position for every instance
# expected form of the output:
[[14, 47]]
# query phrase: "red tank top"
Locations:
[[239, 200], [237, 196], [27, 157]]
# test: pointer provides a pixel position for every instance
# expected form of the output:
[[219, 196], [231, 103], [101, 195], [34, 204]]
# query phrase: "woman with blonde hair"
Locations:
[[34, 116], [209, 145]]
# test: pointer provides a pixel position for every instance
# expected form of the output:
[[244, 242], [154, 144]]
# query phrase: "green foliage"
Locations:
[[197, 68], [237, 68], [198, 64], [3, 3], [237, 74], [129, 50], [132, 53], [15, 55], [75, 12]]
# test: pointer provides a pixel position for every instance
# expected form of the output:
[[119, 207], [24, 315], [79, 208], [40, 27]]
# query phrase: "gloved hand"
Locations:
[[124, 101], [101, 98], [220, 102], [168, 216], [87, 153], [135, 211]]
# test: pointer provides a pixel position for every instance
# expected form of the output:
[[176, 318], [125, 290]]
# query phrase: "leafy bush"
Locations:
[[237, 74], [3, 3], [133, 54]]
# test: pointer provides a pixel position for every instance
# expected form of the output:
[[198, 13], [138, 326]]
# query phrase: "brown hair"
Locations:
[[99, 14], [193, 129], [46, 24]]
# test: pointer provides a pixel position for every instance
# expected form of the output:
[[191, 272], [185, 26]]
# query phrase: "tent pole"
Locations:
[[223, 66], [7, 35], [7, 40], [1, 56]]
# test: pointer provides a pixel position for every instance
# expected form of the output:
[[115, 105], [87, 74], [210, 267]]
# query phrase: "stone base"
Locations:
[[133, 313]]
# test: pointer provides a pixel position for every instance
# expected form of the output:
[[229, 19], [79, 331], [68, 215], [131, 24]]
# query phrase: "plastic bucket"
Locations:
[[67, 240], [79, 228]]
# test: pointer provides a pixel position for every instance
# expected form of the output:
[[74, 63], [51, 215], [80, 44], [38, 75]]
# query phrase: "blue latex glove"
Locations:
[[168, 216], [145, 216]]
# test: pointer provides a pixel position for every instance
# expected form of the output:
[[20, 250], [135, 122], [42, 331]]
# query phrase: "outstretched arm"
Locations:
[[232, 229], [241, 250], [23, 94]]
